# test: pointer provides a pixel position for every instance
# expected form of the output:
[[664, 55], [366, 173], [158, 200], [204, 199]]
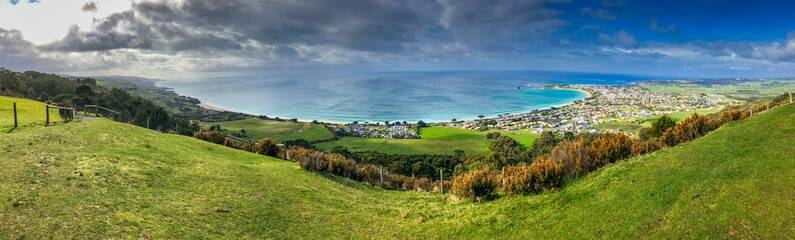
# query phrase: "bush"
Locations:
[[574, 156], [266, 147], [493, 135], [548, 174], [370, 173], [689, 129], [340, 166], [518, 180], [609, 148], [478, 185], [423, 185]]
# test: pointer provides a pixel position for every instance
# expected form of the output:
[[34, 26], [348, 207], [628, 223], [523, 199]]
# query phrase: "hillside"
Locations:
[[29, 113], [102, 179]]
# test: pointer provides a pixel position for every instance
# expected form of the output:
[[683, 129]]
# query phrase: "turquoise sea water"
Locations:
[[393, 96]]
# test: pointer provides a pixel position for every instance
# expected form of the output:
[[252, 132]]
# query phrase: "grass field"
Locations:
[[744, 90], [29, 112], [278, 131], [102, 179], [434, 140]]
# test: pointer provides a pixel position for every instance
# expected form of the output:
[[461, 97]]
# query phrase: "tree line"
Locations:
[[54, 89]]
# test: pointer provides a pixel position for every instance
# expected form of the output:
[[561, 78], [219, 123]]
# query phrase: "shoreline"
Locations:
[[577, 89], [218, 109]]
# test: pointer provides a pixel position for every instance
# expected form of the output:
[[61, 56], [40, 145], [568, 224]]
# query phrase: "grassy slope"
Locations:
[[29, 112], [257, 129], [104, 179], [171, 101]]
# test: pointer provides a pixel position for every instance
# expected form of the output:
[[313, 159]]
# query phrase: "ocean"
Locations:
[[391, 96]]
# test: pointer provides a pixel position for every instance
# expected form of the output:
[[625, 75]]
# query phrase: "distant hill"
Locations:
[[103, 179]]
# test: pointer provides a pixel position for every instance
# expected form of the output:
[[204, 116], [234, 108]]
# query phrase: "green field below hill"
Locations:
[[278, 131], [433, 140], [103, 179], [29, 112], [743, 90]]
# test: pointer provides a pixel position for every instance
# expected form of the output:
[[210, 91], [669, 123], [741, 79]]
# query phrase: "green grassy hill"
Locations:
[[102, 179], [29, 113]]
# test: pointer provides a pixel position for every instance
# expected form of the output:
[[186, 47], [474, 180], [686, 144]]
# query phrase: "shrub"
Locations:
[[423, 185], [574, 156], [395, 181], [610, 147], [479, 184], [340, 166], [548, 174], [370, 173], [518, 180], [266, 147]]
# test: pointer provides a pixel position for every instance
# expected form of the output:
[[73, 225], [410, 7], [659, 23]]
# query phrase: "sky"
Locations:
[[189, 39]]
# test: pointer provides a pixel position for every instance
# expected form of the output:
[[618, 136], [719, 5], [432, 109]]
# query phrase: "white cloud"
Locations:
[[48, 21]]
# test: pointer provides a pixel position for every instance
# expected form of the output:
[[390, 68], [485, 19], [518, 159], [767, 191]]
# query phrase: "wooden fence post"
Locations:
[[382, 176], [790, 97], [441, 180], [48, 114], [15, 115]]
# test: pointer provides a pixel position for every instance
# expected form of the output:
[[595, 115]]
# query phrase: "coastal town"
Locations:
[[376, 130], [604, 105]]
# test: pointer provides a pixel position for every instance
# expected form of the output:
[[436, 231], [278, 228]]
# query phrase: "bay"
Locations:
[[391, 96]]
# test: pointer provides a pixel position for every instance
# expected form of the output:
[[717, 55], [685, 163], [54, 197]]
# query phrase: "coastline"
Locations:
[[576, 89], [218, 109], [538, 109]]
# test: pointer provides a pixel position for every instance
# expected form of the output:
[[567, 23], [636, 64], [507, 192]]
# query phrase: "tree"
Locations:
[[454, 120], [544, 144], [568, 136], [84, 90], [355, 122], [657, 128], [481, 117], [493, 135], [386, 123], [421, 124], [422, 169]]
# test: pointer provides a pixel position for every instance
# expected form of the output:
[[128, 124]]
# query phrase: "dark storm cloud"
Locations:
[[89, 7], [500, 25], [386, 26], [365, 25]]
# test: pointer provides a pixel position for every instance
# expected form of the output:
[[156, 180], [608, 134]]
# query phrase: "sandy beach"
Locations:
[[214, 108]]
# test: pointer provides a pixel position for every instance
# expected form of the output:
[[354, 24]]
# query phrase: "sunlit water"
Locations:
[[398, 96]]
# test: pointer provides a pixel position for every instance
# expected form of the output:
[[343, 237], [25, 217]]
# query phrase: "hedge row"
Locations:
[[317, 161]]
